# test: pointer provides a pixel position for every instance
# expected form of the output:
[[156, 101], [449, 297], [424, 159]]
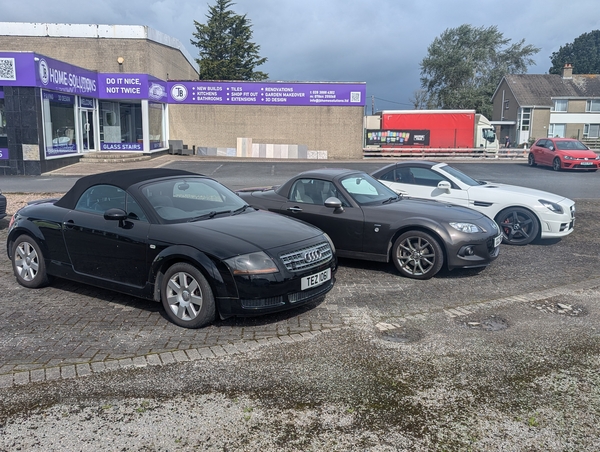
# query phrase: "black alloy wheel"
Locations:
[[417, 255], [531, 160], [519, 226], [187, 297]]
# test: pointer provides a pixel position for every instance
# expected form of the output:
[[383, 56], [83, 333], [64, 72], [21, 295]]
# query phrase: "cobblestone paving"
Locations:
[[71, 330]]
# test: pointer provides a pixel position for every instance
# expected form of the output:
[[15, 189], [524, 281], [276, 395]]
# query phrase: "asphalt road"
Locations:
[[241, 174]]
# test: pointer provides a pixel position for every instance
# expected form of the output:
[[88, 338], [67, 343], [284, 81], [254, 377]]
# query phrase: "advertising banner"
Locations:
[[397, 137], [260, 93], [17, 69], [58, 76], [131, 86]]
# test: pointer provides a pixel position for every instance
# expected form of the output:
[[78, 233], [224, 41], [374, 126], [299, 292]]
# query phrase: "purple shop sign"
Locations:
[[259, 93], [131, 86], [18, 69], [3, 153], [58, 76]]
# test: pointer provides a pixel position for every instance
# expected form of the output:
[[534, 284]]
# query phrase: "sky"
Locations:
[[380, 43]]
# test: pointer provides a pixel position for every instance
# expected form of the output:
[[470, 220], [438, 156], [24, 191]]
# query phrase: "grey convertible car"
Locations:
[[367, 220]]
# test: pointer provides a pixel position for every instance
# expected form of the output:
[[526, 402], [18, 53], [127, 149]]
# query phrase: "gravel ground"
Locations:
[[511, 376]]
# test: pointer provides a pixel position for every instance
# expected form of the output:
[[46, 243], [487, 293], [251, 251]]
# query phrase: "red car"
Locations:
[[563, 153]]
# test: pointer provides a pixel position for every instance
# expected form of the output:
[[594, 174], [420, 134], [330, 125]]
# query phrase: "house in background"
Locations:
[[531, 106]]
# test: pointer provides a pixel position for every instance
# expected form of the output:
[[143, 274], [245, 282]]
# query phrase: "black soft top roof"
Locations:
[[122, 179]]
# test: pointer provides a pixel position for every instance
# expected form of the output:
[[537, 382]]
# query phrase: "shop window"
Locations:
[[121, 126], [156, 125], [59, 123]]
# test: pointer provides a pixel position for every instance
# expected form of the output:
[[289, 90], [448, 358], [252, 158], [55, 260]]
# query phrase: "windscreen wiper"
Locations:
[[392, 199], [240, 210], [208, 215]]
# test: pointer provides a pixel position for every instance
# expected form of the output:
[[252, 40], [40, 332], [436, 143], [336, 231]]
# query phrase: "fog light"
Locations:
[[466, 251]]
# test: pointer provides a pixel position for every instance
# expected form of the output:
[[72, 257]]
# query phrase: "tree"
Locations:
[[583, 53], [420, 99], [225, 49], [464, 66]]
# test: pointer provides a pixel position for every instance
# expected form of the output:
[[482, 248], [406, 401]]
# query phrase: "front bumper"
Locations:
[[474, 253], [274, 293], [553, 225]]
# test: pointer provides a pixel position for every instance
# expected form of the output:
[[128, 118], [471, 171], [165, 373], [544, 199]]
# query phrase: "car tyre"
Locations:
[[531, 160], [28, 263], [417, 255], [187, 296], [556, 164], [518, 225]]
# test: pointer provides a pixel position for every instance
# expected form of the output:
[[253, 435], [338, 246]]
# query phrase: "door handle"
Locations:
[[70, 224], [294, 209]]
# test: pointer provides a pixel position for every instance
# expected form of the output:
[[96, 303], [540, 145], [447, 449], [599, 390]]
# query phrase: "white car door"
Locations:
[[418, 182]]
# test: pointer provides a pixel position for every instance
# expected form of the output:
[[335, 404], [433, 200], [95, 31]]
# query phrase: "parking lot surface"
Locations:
[[504, 358]]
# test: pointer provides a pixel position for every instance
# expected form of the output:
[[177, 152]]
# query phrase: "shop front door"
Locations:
[[87, 130]]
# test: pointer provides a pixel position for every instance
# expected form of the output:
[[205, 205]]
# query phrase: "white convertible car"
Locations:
[[523, 214]]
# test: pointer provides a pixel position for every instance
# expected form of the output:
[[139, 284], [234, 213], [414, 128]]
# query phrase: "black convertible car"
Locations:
[[367, 220], [176, 237]]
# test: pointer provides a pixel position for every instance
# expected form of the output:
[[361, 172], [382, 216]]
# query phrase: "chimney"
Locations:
[[567, 72]]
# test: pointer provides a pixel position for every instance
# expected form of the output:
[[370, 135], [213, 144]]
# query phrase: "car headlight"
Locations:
[[252, 264], [469, 228], [568, 157], [551, 206]]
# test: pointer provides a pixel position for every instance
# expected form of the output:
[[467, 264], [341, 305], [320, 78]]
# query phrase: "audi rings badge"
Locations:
[[312, 256]]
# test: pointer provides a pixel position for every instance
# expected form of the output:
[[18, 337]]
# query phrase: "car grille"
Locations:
[[258, 303], [490, 247], [307, 258], [301, 296]]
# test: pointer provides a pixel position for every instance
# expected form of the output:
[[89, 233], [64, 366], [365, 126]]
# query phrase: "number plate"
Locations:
[[498, 241], [316, 279], [586, 163]]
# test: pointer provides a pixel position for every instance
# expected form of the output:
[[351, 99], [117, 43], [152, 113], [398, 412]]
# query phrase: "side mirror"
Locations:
[[115, 214], [444, 185], [334, 203]]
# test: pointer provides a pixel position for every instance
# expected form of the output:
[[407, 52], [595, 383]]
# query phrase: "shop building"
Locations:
[[70, 90]]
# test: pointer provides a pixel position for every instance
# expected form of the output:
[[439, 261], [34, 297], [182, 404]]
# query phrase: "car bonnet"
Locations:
[[226, 236]]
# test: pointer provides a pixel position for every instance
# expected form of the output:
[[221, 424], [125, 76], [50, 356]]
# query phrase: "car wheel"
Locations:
[[519, 226], [28, 263], [187, 297], [556, 164], [417, 255], [531, 160]]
